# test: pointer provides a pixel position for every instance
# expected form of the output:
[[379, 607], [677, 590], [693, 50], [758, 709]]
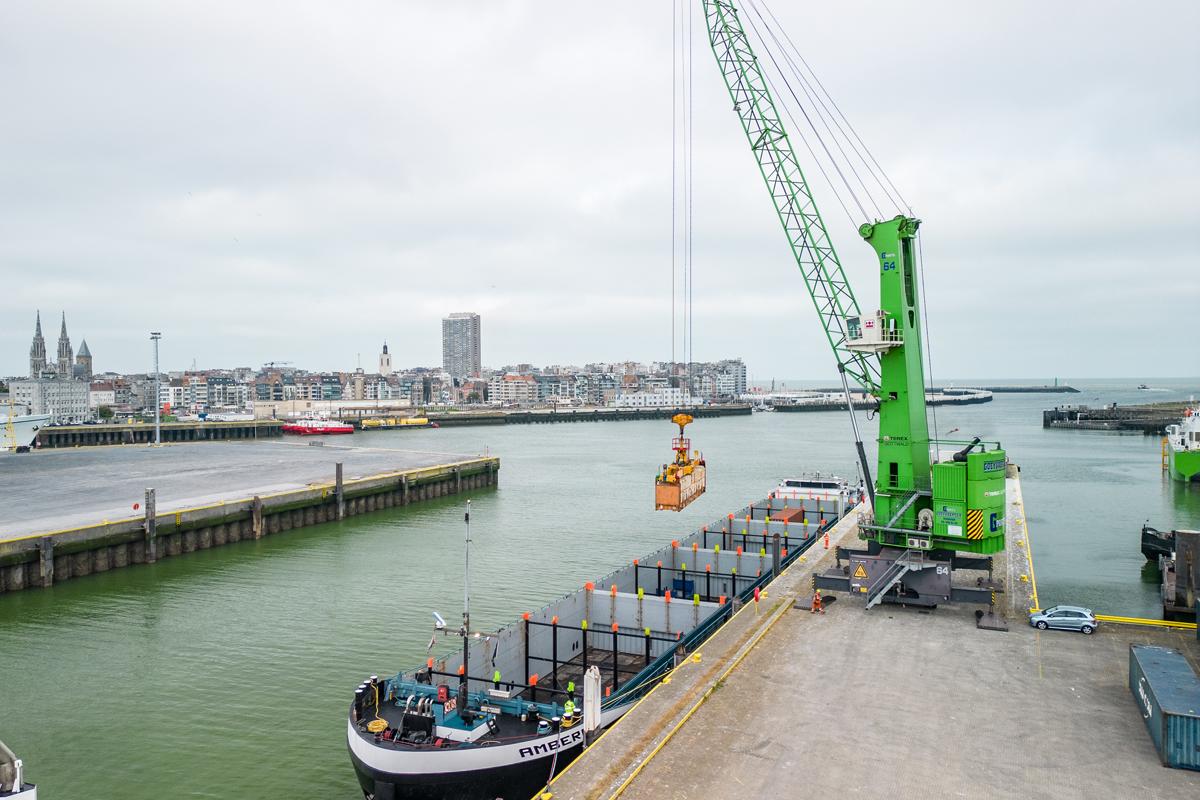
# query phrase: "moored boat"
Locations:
[[316, 427], [12, 779], [1183, 447], [18, 431], [501, 716]]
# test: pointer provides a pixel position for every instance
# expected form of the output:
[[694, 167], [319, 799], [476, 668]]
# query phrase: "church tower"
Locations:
[[37, 351], [66, 357], [83, 362], [385, 361]]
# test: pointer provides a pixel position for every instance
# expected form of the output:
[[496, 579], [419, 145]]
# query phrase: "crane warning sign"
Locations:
[[859, 571]]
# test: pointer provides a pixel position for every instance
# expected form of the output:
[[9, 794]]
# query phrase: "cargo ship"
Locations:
[[391, 423], [316, 427], [500, 716], [1183, 447]]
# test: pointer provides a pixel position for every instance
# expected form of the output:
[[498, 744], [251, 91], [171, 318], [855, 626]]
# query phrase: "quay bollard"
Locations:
[[46, 561], [339, 491], [256, 517], [150, 527]]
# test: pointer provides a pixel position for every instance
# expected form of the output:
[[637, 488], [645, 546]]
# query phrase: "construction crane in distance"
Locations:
[[929, 507]]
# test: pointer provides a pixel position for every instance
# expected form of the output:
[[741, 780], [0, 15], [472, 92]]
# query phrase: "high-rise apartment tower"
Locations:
[[460, 345]]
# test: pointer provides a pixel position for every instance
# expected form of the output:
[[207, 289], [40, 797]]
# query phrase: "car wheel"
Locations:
[[1087, 629], [1041, 626]]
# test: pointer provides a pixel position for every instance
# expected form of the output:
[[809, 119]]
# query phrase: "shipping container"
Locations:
[[1167, 693]]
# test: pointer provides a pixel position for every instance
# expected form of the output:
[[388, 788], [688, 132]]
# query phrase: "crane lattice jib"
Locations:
[[818, 261]]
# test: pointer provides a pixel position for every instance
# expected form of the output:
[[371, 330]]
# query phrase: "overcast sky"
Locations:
[[300, 181]]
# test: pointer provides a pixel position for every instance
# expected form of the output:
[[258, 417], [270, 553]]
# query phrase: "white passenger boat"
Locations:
[[17, 431]]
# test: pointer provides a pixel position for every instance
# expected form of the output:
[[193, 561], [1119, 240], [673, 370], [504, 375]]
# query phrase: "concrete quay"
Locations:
[[38, 551], [891, 702]]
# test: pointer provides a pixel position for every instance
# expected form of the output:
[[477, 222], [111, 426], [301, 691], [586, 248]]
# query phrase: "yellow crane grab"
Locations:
[[681, 481]]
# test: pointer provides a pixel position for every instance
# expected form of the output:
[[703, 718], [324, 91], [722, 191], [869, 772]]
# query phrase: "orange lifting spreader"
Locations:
[[681, 481]]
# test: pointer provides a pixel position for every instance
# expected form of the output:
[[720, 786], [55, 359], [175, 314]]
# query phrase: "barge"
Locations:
[[500, 717]]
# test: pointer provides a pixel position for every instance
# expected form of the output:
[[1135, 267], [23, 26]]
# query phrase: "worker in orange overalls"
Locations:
[[817, 607]]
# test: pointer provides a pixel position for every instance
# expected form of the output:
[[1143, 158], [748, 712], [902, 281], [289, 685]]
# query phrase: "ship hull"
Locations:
[[1184, 465], [508, 771]]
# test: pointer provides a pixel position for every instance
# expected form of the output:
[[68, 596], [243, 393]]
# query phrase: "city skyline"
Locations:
[[177, 208]]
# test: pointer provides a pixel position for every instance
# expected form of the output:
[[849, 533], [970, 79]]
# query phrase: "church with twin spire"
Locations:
[[68, 365]]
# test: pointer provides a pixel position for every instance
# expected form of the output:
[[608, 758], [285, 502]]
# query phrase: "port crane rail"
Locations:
[[924, 513]]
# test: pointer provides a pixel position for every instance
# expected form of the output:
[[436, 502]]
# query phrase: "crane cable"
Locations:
[[817, 107], [674, 159], [833, 161], [878, 167]]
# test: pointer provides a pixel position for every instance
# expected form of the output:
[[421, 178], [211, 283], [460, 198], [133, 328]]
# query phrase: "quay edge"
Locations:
[[44, 558]]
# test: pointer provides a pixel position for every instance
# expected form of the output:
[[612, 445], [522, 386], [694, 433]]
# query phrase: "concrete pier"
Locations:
[[890, 702], [42, 551]]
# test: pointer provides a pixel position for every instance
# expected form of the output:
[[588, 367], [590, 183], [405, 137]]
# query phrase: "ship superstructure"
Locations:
[[1182, 444]]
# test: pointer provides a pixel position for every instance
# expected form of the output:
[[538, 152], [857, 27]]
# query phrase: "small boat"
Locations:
[[1157, 543], [833, 495], [391, 423], [316, 427], [1182, 444], [18, 431], [761, 408], [1143, 386], [12, 780]]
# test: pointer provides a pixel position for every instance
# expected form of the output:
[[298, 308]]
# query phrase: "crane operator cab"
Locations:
[[681, 481]]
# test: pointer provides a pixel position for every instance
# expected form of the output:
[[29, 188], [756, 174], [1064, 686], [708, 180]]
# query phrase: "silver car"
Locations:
[[1067, 618]]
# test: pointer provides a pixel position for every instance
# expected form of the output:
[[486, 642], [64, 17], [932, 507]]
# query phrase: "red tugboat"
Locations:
[[316, 427]]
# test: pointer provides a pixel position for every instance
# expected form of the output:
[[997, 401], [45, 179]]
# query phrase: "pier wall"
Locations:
[[42, 559], [88, 435], [547, 416]]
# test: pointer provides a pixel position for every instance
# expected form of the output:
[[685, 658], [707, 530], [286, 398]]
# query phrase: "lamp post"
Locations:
[[154, 337]]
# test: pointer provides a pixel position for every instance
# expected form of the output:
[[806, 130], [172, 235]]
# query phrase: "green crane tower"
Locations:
[[928, 507]]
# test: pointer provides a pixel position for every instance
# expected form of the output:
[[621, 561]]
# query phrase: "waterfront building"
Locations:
[[512, 389], [101, 393], [461, 351], [659, 397], [65, 400]]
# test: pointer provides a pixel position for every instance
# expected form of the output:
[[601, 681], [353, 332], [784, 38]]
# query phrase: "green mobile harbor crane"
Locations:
[[933, 511]]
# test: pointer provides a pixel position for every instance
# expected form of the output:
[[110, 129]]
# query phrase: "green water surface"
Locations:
[[227, 673]]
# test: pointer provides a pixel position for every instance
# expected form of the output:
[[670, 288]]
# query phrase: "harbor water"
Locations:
[[228, 672]]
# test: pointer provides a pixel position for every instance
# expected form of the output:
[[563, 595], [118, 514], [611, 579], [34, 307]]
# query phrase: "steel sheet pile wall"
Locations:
[[1167, 693]]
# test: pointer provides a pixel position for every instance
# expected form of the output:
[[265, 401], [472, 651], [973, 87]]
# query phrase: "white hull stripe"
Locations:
[[469, 759]]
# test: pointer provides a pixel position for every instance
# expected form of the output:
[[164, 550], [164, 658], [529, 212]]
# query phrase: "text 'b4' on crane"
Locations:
[[681, 481]]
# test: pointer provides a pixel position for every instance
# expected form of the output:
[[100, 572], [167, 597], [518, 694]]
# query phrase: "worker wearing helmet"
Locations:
[[817, 606]]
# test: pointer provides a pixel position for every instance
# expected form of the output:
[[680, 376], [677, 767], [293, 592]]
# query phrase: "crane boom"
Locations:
[[810, 243]]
